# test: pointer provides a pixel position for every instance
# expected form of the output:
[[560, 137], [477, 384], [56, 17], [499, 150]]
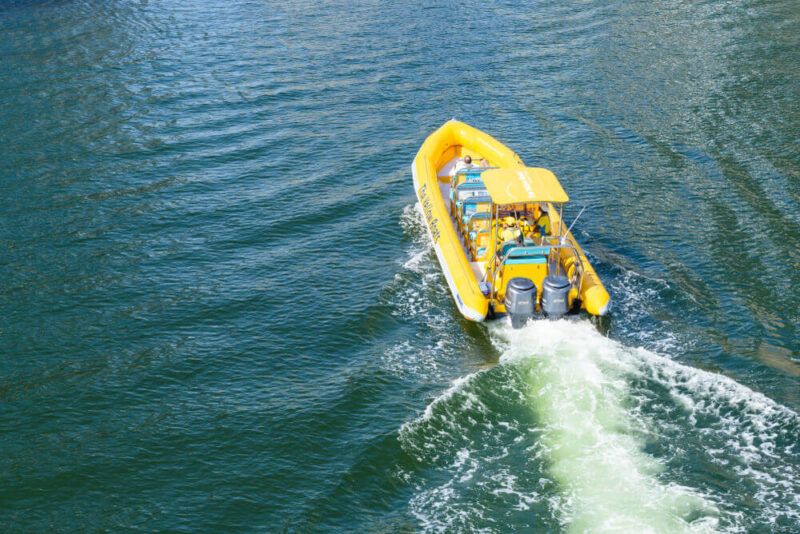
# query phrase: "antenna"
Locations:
[[564, 237]]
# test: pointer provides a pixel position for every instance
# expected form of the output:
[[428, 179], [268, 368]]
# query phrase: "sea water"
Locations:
[[220, 310]]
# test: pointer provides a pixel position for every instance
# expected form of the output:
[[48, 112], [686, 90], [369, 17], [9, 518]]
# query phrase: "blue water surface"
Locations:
[[219, 309]]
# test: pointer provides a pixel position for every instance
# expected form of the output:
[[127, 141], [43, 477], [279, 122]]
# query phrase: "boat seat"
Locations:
[[472, 200], [467, 190], [465, 218], [461, 179], [526, 255], [470, 185], [480, 216], [470, 206], [463, 193], [473, 178], [474, 169], [530, 251], [479, 244], [461, 196], [471, 174], [508, 245], [526, 260], [477, 222], [518, 254]]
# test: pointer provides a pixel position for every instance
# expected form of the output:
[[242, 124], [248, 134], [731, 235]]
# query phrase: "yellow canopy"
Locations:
[[523, 184]]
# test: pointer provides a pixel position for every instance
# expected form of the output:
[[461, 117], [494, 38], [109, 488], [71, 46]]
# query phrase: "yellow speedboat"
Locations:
[[497, 229]]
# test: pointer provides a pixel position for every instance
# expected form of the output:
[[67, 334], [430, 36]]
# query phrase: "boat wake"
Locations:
[[416, 295], [574, 430]]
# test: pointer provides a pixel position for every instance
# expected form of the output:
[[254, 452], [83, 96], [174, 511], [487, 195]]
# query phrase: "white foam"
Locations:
[[413, 263], [610, 431], [596, 406], [579, 380], [633, 295], [456, 386], [413, 222]]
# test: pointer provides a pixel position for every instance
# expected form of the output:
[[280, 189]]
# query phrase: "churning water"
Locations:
[[612, 439]]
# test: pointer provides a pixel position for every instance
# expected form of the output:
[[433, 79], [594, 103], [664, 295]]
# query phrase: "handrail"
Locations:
[[508, 254]]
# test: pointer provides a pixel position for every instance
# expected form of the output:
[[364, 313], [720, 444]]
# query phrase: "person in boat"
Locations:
[[464, 163], [541, 223], [510, 231]]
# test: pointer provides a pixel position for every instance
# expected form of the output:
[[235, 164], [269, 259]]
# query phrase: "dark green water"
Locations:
[[219, 310]]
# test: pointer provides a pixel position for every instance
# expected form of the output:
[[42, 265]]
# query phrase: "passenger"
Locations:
[[541, 221], [510, 230], [465, 163], [484, 163]]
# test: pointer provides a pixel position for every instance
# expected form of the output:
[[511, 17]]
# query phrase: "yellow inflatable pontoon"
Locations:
[[496, 226]]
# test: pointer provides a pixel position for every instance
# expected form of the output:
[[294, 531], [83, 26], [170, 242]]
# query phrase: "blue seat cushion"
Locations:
[[472, 201], [468, 206], [471, 175], [526, 260], [509, 246], [531, 251], [470, 185]]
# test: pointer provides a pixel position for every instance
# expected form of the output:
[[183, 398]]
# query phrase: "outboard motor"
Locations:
[[555, 296], [520, 300]]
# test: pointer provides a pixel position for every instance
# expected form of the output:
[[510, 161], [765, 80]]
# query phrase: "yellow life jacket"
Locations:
[[510, 234], [543, 225]]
